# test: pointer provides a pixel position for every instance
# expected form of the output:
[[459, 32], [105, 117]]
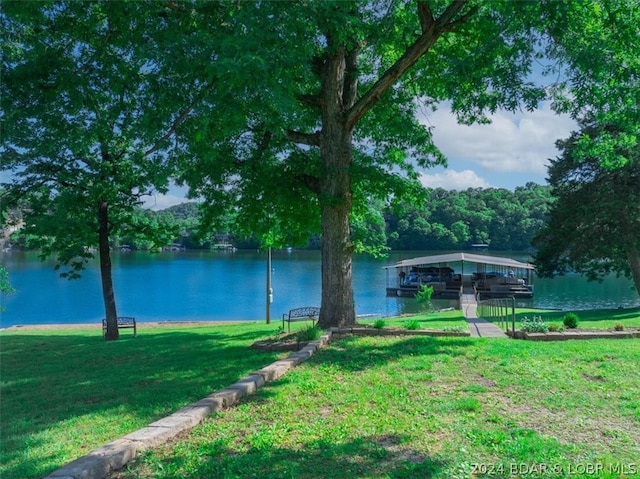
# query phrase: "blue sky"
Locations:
[[511, 151]]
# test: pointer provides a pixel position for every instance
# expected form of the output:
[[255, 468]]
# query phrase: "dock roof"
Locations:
[[461, 257]]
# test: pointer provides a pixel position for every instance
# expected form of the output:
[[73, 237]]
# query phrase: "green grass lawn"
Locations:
[[67, 392], [427, 407], [452, 320], [363, 407]]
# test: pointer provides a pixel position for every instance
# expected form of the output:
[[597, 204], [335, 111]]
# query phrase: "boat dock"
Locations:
[[494, 276]]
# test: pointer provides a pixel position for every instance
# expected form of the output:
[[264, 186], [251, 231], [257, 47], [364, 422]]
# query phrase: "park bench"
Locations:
[[301, 314], [124, 322]]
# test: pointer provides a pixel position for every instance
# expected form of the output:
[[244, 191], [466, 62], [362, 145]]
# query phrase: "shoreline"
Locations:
[[154, 324]]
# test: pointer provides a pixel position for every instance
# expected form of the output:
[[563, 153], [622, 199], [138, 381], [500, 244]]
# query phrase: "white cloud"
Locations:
[[454, 180], [512, 143]]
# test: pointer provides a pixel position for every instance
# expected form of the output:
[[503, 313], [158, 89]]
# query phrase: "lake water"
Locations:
[[187, 286]]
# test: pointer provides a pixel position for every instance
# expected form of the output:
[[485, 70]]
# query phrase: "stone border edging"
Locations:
[[113, 456], [583, 334]]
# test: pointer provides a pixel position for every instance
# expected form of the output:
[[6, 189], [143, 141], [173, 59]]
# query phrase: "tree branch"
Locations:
[[311, 139], [350, 89], [426, 17], [444, 23], [179, 121]]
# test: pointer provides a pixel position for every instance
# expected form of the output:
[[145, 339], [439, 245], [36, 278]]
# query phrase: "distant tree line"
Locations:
[[500, 218]]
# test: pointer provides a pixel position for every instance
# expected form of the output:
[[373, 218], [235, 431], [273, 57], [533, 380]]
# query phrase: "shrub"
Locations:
[[619, 327], [379, 324], [412, 325], [424, 296], [534, 325], [310, 333], [570, 320]]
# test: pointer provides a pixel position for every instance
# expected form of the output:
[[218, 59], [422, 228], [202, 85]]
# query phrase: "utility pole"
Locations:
[[269, 289]]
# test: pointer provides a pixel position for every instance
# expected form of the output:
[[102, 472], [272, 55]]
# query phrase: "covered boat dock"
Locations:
[[491, 276]]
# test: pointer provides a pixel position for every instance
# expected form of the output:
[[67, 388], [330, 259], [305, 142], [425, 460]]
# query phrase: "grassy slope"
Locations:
[[67, 392], [426, 407]]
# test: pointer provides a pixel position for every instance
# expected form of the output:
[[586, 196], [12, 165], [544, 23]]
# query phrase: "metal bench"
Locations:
[[124, 322], [301, 314]]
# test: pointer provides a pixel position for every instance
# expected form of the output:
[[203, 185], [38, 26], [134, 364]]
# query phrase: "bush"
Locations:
[[424, 296], [379, 324], [412, 325], [619, 327], [310, 333], [534, 325], [570, 320]]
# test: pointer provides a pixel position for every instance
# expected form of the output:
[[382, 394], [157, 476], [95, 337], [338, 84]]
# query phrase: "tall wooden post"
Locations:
[[269, 289]]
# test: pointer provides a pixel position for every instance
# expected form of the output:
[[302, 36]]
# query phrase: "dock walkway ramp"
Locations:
[[478, 327]]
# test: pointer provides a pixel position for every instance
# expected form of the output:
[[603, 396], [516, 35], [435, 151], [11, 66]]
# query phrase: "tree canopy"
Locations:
[[320, 106]]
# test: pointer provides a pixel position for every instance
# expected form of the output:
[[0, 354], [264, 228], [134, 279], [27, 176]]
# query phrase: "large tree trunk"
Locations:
[[341, 110], [337, 306], [105, 273]]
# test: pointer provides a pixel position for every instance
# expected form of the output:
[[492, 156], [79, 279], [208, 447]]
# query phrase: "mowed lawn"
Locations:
[[427, 407], [67, 392], [363, 407]]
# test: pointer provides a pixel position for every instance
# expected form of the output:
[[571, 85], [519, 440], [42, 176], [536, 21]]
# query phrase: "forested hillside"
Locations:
[[502, 218]]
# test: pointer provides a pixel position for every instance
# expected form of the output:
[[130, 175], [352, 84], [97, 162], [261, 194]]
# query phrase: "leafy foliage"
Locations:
[[534, 324], [80, 127], [310, 333], [5, 284], [594, 222], [379, 324], [507, 220], [570, 320], [87, 116], [598, 43], [451, 219], [423, 296], [412, 325]]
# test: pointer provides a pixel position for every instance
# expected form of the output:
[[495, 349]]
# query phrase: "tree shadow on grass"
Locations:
[[373, 456], [358, 354], [50, 381]]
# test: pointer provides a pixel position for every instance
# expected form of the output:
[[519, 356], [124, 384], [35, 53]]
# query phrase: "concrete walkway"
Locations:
[[478, 327]]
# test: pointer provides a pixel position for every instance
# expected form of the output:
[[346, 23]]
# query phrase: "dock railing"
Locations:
[[499, 310]]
